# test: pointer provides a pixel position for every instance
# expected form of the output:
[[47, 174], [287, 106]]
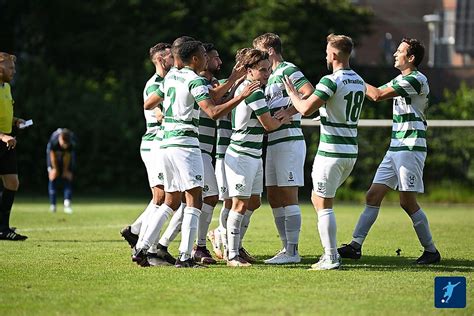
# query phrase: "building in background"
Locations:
[[446, 28]]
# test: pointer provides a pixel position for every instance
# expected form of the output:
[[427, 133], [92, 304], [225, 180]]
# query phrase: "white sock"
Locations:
[[189, 229], [234, 221], [204, 222], [136, 226], [327, 230], [174, 227], [292, 228], [244, 225], [156, 220], [366, 220], [223, 219], [422, 229], [279, 217]]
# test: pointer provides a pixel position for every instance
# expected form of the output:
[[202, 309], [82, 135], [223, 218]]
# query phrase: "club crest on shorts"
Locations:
[[321, 187], [198, 177], [411, 181], [291, 177], [240, 187], [161, 176], [223, 189], [205, 188]]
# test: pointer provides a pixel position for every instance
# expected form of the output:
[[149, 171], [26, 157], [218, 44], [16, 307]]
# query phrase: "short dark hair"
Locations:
[[178, 42], [188, 49], [416, 49], [209, 47], [160, 47], [7, 57], [268, 40]]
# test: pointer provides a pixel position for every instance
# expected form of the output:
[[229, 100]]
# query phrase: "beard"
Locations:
[[329, 65]]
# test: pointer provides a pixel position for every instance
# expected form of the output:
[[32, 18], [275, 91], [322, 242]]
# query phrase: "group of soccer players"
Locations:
[[191, 115]]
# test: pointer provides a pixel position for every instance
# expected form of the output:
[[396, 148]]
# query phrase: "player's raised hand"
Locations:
[[290, 88], [237, 72], [248, 90]]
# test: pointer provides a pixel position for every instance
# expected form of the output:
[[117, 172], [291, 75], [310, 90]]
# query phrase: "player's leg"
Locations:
[[190, 176], [385, 179], [273, 196], [210, 198], [189, 227], [241, 172], [328, 174], [67, 183], [160, 214], [218, 237], [254, 204], [410, 171]]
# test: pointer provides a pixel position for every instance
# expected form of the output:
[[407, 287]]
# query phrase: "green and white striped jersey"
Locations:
[[224, 132], [344, 93], [247, 132], [277, 98], [409, 120], [182, 90], [153, 127], [207, 128]]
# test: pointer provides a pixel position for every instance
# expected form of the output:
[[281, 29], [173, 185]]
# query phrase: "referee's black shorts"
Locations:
[[8, 160]]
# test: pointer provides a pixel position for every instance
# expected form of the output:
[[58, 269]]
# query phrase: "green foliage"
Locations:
[[451, 149], [83, 65]]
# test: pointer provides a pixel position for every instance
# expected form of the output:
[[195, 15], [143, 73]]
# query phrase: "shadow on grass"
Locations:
[[79, 240], [385, 263]]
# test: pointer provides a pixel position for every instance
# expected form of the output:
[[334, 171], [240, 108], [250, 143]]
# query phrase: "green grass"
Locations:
[[78, 264]]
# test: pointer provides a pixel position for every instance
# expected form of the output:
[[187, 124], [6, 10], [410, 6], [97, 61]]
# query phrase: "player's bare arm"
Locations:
[[305, 107], [152, 102], [376, 94], [270, 123], [217, 93], [217, 111]]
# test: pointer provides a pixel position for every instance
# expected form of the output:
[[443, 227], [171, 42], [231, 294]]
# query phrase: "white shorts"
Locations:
[[284, 165], [244, 174], [402, 170], [182, 168], [151, 156], [329, 173], [221, 180], [210, 184]]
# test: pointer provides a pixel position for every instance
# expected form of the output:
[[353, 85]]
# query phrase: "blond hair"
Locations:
[[342, 43], [251, 57], [268, 40]]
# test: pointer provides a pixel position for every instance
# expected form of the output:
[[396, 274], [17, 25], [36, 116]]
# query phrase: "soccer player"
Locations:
[[286, 151], [60, 161], [8, 158], [339, 97], [162, 59], [402, 166], [243, 162], [185, 93], [218, 236]]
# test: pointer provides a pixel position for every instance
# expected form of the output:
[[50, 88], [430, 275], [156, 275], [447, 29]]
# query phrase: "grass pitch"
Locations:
[[79, 265]]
